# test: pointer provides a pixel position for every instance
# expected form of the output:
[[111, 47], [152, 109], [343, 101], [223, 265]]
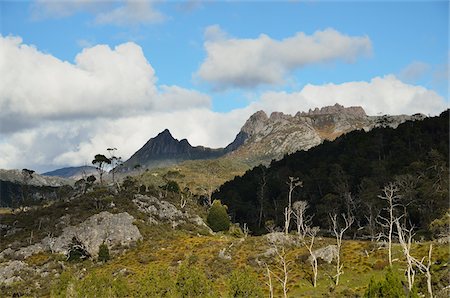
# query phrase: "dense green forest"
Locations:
[[347, 176]]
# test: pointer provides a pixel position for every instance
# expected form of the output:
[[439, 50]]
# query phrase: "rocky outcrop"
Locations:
[[9, 271], [160, 211], [17, 176], [115, 230], [327, 253], [265, 138]]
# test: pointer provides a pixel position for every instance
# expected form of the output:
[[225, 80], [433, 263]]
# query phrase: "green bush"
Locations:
[[191, 282], [157, 282], [102, 285], [236, 231], [244, 283], [103, 253], [218, 219], [390, 287]]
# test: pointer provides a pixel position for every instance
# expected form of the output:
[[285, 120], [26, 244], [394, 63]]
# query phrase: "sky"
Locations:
[[80, 76]]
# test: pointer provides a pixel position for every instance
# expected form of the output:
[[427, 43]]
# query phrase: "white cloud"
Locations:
[[233, 62], [387, 95], [103, 82], [54, 113], [120, 12]]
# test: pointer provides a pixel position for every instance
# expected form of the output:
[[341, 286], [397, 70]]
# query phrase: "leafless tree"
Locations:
[[390, 195], [301, 219], [283, 266], [262, 186], [312, 233], [269, 282], [293, 183], [405, 237], [339, 233]]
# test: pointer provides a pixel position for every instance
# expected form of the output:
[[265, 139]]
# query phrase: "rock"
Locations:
[[163, 211], [327, 253], [223, 255], [112, 229], [279, 238], [10, 270]]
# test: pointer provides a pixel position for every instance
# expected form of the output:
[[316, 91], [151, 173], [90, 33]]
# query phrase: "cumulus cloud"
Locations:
[[234, 62], [103, 82], [55, 113], [120, 12], [386, 95]]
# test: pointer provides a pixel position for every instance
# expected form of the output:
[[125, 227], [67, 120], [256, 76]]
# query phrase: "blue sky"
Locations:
[[197, 51]]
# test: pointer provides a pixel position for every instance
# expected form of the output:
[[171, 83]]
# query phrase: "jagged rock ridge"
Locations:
[[271, 137]]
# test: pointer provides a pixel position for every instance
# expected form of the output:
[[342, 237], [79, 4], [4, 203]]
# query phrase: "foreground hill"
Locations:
[[347, 175]]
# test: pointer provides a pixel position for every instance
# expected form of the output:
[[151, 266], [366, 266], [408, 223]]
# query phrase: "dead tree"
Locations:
[[262, 187], [293, 183], [405, 237], [301, 219], [269, 282], [391, 197], [312, 232], [339, 233]]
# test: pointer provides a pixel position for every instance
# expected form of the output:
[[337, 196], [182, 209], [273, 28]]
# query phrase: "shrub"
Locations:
[[77, 251], [191, 282], [101, 285], [218, 219], [157, 282], [236, 231], [103, 253], [391, 286], [244, 283]]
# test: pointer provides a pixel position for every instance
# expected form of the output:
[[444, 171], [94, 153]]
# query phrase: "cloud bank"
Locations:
[[245, 63], [56, 113]]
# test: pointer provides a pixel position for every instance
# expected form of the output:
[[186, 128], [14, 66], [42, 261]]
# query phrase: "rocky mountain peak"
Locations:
[[355, 111], [255, 123]]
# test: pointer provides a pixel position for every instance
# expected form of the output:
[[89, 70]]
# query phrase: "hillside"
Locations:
[[356, 166], [74, 173], [165, 150], [174, 255], [265, 138]]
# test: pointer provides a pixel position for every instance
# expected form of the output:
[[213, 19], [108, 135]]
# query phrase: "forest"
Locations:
[[347, 176]]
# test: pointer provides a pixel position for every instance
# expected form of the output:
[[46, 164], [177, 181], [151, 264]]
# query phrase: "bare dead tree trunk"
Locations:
[[301, 219], [293, 183], [339, 233], [269, 282], [312, 232], [391, 197]]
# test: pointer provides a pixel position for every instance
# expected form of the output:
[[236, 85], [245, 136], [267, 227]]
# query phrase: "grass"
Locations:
[[166, 248]]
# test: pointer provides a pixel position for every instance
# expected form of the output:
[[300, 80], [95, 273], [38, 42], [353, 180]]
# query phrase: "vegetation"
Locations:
[[218, 219], [292, 197], [346, 176]]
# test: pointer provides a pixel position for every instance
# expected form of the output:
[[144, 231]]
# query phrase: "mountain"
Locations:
[[165, 150], [74, 173], [19, 188], [263, 138], [348, 174]]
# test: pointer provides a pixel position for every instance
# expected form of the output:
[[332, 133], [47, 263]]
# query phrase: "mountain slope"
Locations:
[[164, 150], [263, 138], [74, 173], [356, 165]]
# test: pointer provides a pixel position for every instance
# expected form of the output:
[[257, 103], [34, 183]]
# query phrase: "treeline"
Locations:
[[348, 175]]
